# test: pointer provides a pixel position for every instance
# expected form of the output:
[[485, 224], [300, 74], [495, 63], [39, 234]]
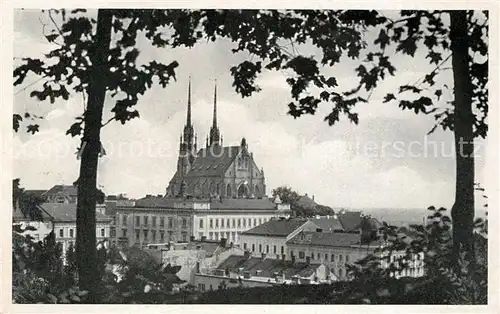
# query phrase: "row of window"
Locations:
[[154, 235], [236, 223], [72, 232], [261, 247], [230, 236], [326, 257], [145, 219]]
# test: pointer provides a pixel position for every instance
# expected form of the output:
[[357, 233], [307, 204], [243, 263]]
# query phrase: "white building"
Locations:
[[64, 223], [161, 220], [271, 237]]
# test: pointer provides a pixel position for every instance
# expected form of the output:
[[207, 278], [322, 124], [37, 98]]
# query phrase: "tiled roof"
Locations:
[[350, 220], [66, 189], [67, 212], [155, 202], [213, 161], [267, 266], [328, 223], [224, 203], [277, 227], [242, 203], [326, 239]]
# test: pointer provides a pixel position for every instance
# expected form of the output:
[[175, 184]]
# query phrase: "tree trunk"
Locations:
[[462, 212], [87, 181]]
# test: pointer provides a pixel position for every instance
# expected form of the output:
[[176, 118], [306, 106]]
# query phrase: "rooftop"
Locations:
[[326, 239], [67, 212], [66, 189], [328, 223], [277, 227], [267, 267]]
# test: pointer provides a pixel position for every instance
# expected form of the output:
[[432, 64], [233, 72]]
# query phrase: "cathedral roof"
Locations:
[[213, 161]]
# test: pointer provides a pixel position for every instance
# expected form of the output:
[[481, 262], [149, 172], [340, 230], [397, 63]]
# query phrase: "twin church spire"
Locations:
[[190, 141]]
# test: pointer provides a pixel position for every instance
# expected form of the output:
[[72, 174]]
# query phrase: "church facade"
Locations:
[[214, 170]]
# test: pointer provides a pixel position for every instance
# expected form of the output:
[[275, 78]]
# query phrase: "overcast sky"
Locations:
[[342, 165]]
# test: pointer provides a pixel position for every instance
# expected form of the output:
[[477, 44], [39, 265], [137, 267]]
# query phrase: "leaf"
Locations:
[[383, 39], [75, 129], [33, 128], [435, 57], [16, 119], [51, 37], [389, 97], [438, 93]]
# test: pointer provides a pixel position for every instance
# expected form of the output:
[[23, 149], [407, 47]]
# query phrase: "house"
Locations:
[[64, 223], [249, 271], [271, 237], [332, 249]]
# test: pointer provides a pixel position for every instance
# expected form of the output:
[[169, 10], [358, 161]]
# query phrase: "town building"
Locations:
[[332, 249], [250, 271], [270, 238], [164, 220], [63, 217]]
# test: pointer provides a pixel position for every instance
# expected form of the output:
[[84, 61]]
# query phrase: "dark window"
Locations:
[[137, 220], [184, 236], [153, 221], [302, 255], [162, 221], [245, 246], [312, 256], [217, 223], [318, 256], [145, 220], [184, 223], [71, 233], [170, 222], [222, 222], [162, 236], [103, 232], [145, 235], [244, 223], [274, 250], [260, 248], [253, 247], [282, 250], [326, 257], [340, 258], [61, 233], [228, 223], [124, 233], [333, 258], [201, 223], [267, 248], [234, 223], [211, 223], [239, 223], [347, 258], [124, 220], [137, 235]]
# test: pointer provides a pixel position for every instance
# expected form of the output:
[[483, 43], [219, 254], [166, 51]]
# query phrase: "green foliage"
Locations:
[[441, 284], [289, 196]]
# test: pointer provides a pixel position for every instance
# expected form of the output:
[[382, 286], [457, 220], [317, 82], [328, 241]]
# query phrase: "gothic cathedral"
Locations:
[[215, 170]]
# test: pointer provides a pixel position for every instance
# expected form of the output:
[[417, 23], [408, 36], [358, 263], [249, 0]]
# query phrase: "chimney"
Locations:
[[313, 197], [203, 238], [319, 230], [223, 242], [246, 274]]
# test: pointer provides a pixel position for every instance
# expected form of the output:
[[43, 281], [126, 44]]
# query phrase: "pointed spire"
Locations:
[[214, 124], [214, 130], [188, 120]]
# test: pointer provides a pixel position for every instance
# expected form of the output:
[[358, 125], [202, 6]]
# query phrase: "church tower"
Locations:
[[187, 147], [215, 136]]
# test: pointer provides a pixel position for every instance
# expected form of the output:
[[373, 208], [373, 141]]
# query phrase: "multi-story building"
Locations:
[[163, 220], [270, 238], [64, 224]]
